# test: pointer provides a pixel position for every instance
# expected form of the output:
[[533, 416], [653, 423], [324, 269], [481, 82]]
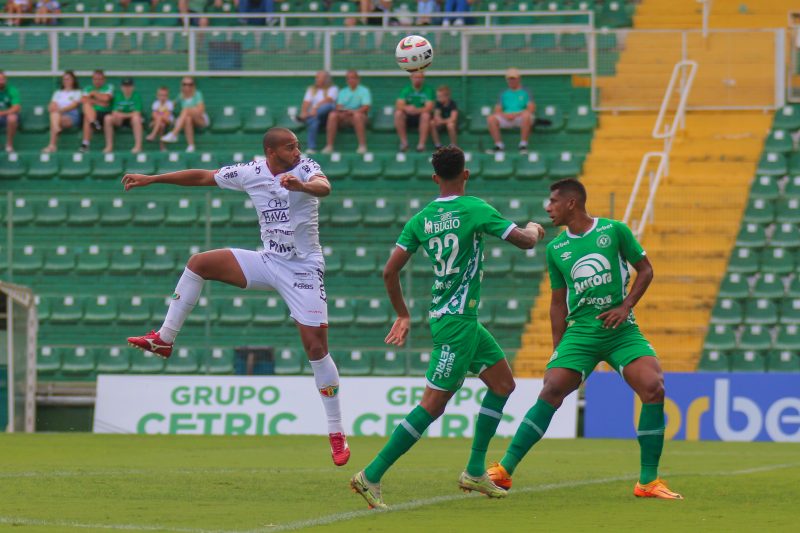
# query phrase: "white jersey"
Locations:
[[289, 220]]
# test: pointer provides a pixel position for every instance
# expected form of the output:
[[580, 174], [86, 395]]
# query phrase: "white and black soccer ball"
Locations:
[[414, 53]]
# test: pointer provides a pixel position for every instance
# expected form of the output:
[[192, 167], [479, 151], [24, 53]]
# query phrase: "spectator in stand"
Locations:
[[64, 108], [45, 8], [456, 6], [162, 114], [186, 7], [96, 103], [352, 109], [381, 7], [128, 111], [425, 10], [318, 102], [514, 109], [445, 115], [413, 109], [258, 6], [17, 7], [10, 107], [193, 114], [126, 3]]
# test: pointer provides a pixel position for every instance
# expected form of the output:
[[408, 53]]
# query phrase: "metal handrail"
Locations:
[[668, 134], [706, 13], [655, 180]]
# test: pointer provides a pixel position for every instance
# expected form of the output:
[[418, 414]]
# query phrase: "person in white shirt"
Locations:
[[162, 114], [318, 102], [285, 191], [64, 109]]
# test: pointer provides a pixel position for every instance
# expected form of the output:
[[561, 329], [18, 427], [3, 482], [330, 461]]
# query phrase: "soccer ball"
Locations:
[[414, 53]]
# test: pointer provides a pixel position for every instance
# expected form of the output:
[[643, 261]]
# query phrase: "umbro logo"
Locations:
[[565, 256]]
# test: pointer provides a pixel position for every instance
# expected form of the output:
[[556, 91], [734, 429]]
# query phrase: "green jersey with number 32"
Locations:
[[594, 269], [451, 231]]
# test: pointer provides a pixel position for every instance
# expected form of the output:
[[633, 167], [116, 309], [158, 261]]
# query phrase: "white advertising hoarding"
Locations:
[[215, 405]]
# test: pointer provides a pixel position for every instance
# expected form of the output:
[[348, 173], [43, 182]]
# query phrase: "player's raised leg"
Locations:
[[217, 265], [645, 377]]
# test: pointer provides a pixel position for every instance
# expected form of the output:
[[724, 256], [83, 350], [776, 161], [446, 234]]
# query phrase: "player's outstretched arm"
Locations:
[[644, 275], [318, 185], [187, 178], [558, 315], [526, 238], [391, 279]]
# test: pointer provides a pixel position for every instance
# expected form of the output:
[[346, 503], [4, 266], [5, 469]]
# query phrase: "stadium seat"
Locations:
[[65, 310], [341, 312], [44, 167], [35, 119], [778, 140], [75, 166], [183, 361], [772, 164], [289, 361], [734, 285], [785, 235], [551, 113], [760, 311], [108, 166], [345, 213], [581, 120], [151, 213], [184, 212], [368, 167], [744, 261], [219, 361], [220, 212], [10, 41], [226, 120], [68, 41], [136, 310], [258, 120], [788, 211], [787, 118], [173, 162], [778, 260], [748, 361], [355, 363], [244, 214], [12, 166], [93, 260], [783, 361], [205, 310], [499, 167], [788, 337], [380, 213], [48, 360], [755, 338], [53, 213], [714, 361], [759, 211], [94, 42], [792, 189], [790, 311], [142, 163], [333, 260], [78, 361], [418, 363], [752, 235], [86, 212], [566, 165], [511, 313], [532, 262], [273, 42], [28, 260], [793, 291], [361, 261], [128, 260], [270, 312], [42, 308], [125, 42], [372, 313], [22, 213], [146, 363], [246, 39], [768, 285], [765, 187], [497, 260], [154, 42], [388, 363], [158, 260], [114, 360], [726, 311], [236, 311], [60, 260]]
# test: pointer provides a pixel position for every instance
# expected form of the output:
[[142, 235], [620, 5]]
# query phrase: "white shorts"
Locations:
[[300, 282], [507, 124]]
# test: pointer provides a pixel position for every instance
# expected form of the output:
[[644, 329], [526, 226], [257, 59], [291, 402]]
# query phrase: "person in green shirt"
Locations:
[[413, 110], [591, 314], [10, 107], [193, 114], [127, 111], [97, 102], [451, 230]]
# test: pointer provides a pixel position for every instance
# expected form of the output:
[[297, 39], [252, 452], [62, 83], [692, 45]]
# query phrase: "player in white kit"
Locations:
[[285, 191]]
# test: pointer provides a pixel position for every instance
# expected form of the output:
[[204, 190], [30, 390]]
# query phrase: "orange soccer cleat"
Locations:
[[655, 489], [497, 473]]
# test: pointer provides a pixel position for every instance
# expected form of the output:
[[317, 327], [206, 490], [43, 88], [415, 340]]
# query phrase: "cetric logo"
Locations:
[[589, 271]]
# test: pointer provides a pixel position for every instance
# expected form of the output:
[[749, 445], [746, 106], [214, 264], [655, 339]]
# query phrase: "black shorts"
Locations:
[[412, 121], [101, 115]]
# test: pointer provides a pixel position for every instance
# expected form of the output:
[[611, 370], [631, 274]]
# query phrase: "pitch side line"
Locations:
[[15, 521]]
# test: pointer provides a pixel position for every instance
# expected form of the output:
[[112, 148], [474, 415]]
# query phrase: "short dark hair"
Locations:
[[99, 71], [448, 162], [570, 186], [275, 136]]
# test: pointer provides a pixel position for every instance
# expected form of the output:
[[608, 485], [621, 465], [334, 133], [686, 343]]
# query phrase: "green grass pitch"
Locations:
[[82, 482]]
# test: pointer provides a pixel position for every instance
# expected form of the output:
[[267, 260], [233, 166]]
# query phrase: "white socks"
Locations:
[[326, 377], [183, 301]]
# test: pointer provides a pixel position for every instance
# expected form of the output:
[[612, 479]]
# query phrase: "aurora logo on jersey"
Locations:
[[446, 222], [589, 271]]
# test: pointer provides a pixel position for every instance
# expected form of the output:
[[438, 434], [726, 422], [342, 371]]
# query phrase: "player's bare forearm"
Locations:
[[318, 186], [558, 315], [644, 275], [391, 280], [186, 178], [527, 237]]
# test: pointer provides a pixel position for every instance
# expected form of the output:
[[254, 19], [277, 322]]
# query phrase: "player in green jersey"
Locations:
[[451, 229], [592, 320]]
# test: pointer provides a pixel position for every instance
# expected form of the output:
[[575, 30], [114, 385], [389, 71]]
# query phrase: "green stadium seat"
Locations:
[[258, 120], [714, 361], [109, 166], [333, 260], [180, 42], [793, 291], [151, 213], [755, 337], [204, 310], [126, 261], [783, 361], [75, 166], [788, 211], [748, 361], [499, 166], [792, 189], [270, 312], [78, 361], [550, 113], [93, 260], [28, 260], [498, 261], [513, 42], [405, 212], [136, 310], [183, 361], [482, 43], [566, 165], [243, 214], [515, 210], [99, 310], [146, 363], [113, 360], [772, 164], [511, 313], [418, 363], [572, 41], [744, 261], [220, 212], [383, 119], [532, 167], [361, 261], [184, 212], [346, 213], [373, 313], [581, 120], [790, 311], [768, 285], [421, 263], [531, 262], [61, 260], [35, 119], [166, 8], [341, 312], [787, 118], [477, 119], [219, 361], [613, 15], [108, 8], [543, 42], [786, 235], [778, 141], [226, 120], [402, 167], [10, 41], [734, 285], [48, 360], [388, 363], [12, 166], [173, 162], [752, 235], [94, 42], [142, 163], [83, 213], [788, 337], [760, 311], [53, 213], [380, 213], [246, 39], [778, 260], [759, 211], [65, 310], [368, 167], [765, 187], [158, 260], [68, 41], [289, 361], [125, 42], [273, 42], [154, 42], [726, 311], [235, 312], [44, 167], [355, 363]]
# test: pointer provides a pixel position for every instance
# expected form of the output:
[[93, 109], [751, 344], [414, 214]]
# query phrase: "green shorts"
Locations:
[[582, 350], [460, 345]]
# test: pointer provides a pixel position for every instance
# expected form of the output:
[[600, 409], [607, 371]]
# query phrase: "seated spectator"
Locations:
[[64, 108], [455, 6], [127, 112], [382, 6], [45, 8], [514, 109], [445, 115], [425, 10], [352, 109], [186, 7], [10, 108], [162, 115], [17, 7], [193, 114], [258, 6], [413, 109], [318, 102], [96, 104]]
